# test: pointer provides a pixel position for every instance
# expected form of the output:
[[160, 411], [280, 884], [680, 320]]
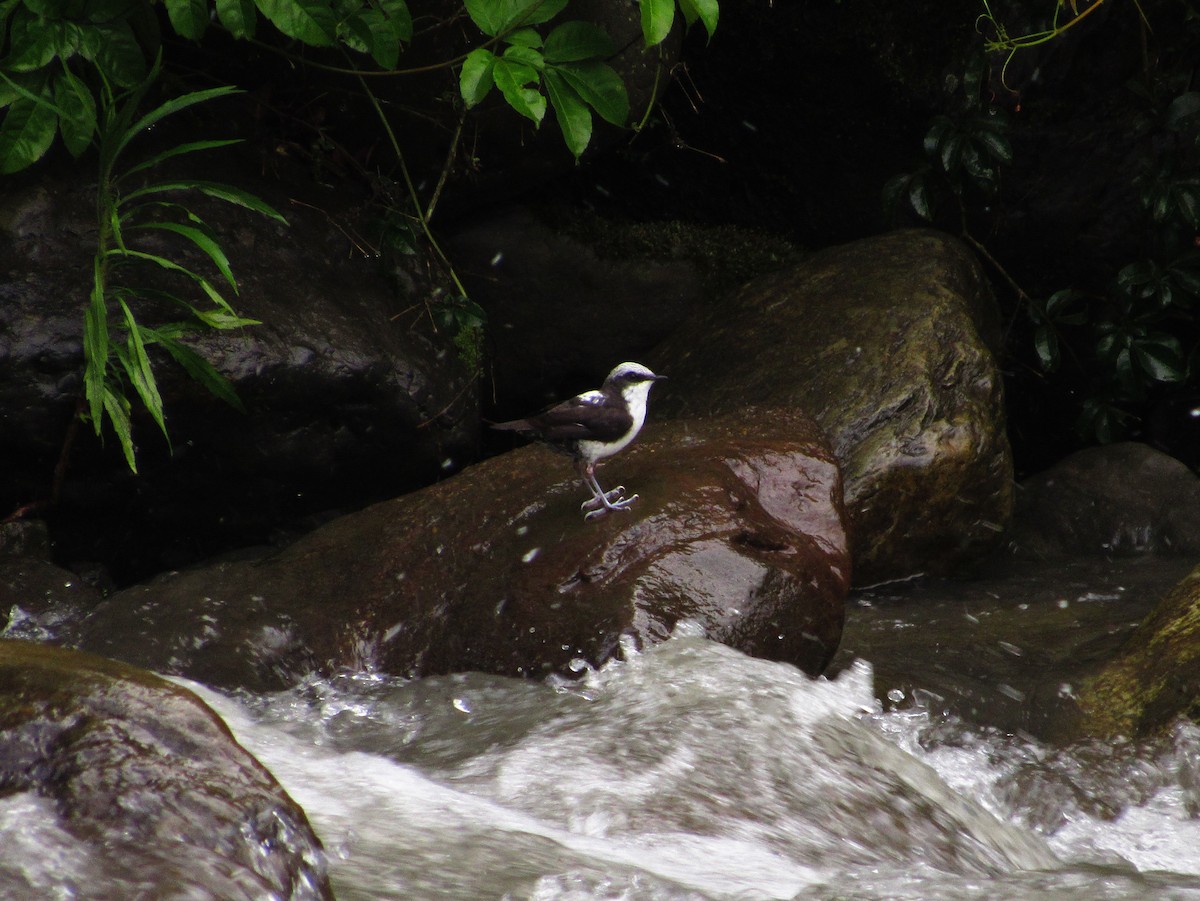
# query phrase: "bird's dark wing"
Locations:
[[588, 417]]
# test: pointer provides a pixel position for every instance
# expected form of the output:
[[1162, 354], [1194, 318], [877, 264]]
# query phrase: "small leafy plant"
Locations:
[[116, 343]]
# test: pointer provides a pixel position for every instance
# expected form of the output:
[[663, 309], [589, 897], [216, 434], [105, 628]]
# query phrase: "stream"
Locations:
[[690, 771]]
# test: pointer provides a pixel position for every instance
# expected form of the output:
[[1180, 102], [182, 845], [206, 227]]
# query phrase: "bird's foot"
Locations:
[[623, 503], [611, 496]]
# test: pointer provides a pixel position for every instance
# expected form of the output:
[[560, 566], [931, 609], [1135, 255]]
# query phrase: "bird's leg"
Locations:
[[602, 501]]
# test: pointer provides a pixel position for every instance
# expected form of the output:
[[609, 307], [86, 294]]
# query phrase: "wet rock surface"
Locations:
[[1155, 677], [141, 789], [1125, 498], [887, 342], [739, 527]]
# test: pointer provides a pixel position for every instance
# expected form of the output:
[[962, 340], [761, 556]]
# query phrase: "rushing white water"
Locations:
[[691, 771]]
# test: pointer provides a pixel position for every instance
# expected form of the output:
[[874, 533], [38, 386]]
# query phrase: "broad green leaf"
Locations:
[[189, 18], [601, 88], [525, 56], [33, 42], [238, 17], [117, 408], [1184, 111], [115, 51], [1045, 342], [524, 37], [995, 144], [937, 135], [201, 371], [707, 11], [574, 118], [513, 79], [202, 240], [1160, 357], [919, 198], [657, 18], [77, 112], [475, 80], [51, 9], [137, 366], [398, 12], [26, 134], [370, 31], [495, 17], [310, 21], [573, 42]]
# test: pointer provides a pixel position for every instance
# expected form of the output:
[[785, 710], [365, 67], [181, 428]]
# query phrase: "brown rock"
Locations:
[[885, 342], [739, 528], [147, 785]]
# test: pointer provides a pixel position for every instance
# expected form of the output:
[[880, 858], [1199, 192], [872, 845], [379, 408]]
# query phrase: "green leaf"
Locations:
[[95, 348], [172, 106], [707, 11], [201, 371], [33, 42], [370, 31], [476, 79], [202, 240], [171, 266], [512, 80], [936, 136], [1160, 357], [222, 320], [26, 134], [227, 193], [115, 51], [238, 17], [398, 12], [524, 37], [524, 56], [117, 408], [136, 363], [657, 18], [309, 21], [189, 18], [1184, 111], [177, 150], [573, 42], [495, 17], [601, 88], [919, 198], [574, 118], [77, 112], [1045, 342]]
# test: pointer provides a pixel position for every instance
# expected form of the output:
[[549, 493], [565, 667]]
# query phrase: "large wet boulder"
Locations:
[[1118, 499], [1155, 677], [739, 528], [135, 788], [347, 400], [888, 342]]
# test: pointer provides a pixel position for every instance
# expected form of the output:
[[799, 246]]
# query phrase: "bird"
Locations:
[[593, 426]]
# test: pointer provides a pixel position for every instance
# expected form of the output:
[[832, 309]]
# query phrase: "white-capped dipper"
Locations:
[[592, 427]]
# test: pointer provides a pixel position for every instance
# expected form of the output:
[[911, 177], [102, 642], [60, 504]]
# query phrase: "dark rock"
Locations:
[[887, 342], [739, 528], [1155, 677], [38, 599], [346, 403], [148, 790], [1118, 499]]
